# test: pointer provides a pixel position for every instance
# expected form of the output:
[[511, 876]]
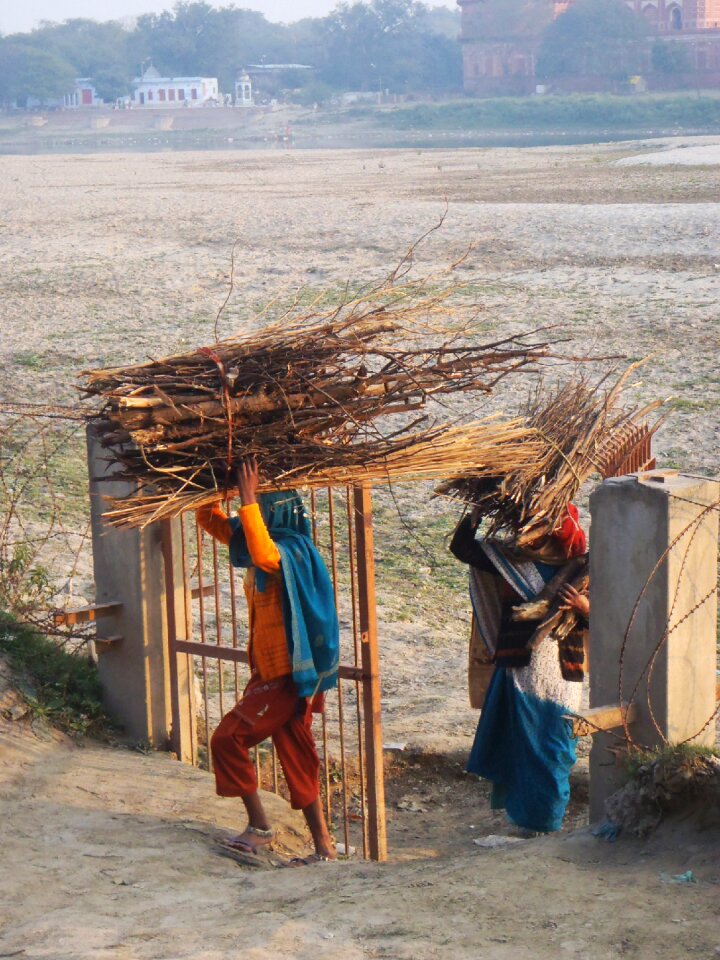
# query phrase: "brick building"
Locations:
[[497, 63]]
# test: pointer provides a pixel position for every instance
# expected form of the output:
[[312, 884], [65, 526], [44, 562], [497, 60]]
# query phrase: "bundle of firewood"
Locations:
[[334, 397], [581, 430]]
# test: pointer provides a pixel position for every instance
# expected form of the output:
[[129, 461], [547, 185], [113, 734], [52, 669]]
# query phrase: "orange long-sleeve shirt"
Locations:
[[268, 646]]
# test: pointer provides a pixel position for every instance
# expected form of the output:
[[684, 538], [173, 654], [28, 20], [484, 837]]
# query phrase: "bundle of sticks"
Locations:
[[332, 397], [581, 430]]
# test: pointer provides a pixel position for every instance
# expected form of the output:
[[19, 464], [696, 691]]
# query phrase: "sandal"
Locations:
[[258, 861], [246, 846]]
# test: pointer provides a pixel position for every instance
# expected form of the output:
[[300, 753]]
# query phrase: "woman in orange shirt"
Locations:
[[293, 656]]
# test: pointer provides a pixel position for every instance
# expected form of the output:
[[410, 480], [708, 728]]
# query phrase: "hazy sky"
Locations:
[[24, 15]]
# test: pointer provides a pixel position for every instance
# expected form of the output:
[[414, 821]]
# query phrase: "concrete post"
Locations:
[[135, 671], [634, 520]]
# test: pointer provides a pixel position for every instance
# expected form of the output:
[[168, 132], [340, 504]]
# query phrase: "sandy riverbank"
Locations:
[[107, 259]]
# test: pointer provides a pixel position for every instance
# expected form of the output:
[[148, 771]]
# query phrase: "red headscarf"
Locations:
[[569, 534]]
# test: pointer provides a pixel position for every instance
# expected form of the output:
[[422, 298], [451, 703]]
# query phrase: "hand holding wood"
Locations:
[[573, 600], [248, 478]]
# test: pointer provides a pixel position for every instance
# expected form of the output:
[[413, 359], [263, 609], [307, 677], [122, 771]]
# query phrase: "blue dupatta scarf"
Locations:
[[309, 613]]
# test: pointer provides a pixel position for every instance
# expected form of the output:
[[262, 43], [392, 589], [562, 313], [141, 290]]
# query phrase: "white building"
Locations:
[[243, 90], [84, 94], [152, 90]]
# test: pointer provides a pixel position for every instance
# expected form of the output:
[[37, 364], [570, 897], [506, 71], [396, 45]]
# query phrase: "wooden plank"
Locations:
[[372, 711], [86, 614], [105, 643], [212, 650], [597, 719], [235, 655], [207, 590]]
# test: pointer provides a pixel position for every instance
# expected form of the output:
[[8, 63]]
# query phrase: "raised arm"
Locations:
[[466, 548], [263, 552]]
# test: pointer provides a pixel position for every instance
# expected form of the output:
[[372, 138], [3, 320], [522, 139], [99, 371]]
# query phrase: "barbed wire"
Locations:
[[692, 528]]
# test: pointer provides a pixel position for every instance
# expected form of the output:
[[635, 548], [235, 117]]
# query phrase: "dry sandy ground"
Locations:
[[108, 259], [109, 854], [112, 258], [693, 154]]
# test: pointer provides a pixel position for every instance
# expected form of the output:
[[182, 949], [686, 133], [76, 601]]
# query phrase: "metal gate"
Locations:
[[212, 634]]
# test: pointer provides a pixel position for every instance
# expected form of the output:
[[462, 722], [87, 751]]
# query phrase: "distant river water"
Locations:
[[343, 139]]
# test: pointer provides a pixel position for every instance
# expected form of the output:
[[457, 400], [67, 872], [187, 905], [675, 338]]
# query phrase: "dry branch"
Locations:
[[325, 397]]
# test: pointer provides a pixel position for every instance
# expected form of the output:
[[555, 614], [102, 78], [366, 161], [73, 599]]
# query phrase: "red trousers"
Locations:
[[267, 709]]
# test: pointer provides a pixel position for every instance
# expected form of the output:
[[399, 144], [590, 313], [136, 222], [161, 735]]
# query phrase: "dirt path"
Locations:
[[107, 853]]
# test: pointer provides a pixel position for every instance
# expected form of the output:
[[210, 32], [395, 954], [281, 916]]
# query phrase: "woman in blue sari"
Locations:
[[523, 742]]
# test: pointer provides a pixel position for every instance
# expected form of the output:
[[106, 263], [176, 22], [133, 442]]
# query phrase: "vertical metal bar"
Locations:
[[199, 541], [218, 622], [187, 596], [233, 616], [313, 516], [325, 763], [356, 648], [169, 572], [343, 769], [341, 711], [371, 669]]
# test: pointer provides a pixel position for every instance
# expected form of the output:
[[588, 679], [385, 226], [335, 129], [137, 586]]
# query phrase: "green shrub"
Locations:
[[61, 686], [24, 584], [576, 111]]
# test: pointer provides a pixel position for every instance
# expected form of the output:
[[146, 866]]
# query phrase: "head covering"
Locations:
[[284, 514], [569, 534], [285, 511], [308, 598]]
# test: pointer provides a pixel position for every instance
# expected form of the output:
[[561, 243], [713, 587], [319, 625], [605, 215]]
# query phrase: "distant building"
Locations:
[[508, 64], [243, 90], [267, 79], [152, 90], [84, 95], [670, 16]]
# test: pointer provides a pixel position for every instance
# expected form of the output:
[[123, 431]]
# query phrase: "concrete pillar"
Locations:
[[634, 520], [135, 671]]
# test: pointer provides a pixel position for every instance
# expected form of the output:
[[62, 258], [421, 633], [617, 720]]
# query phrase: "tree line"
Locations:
[[402, 45]]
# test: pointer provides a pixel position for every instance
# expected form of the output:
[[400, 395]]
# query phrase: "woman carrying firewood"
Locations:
[[530, 612], [293, 651]]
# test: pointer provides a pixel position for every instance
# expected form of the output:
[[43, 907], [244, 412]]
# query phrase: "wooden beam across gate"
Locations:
[[238, 655]]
